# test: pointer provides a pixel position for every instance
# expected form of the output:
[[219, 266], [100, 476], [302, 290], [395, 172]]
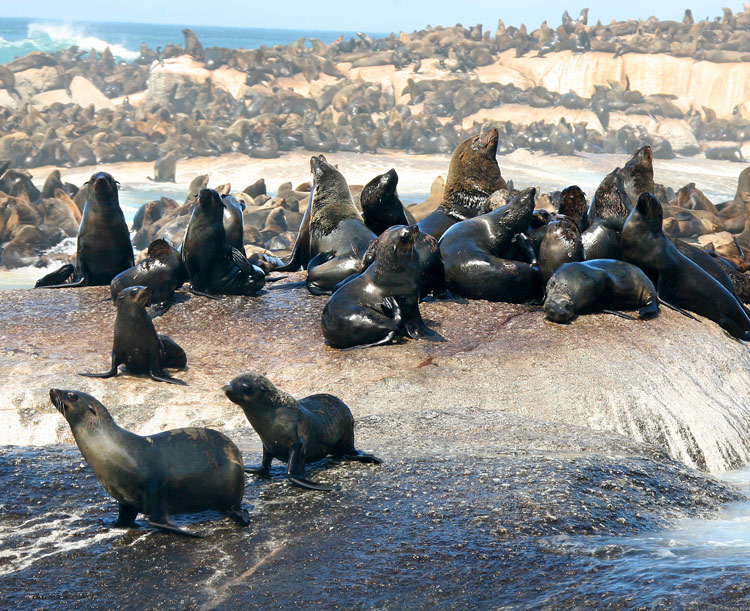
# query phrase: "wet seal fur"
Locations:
[[680, 283], [104, 249], [381, 206], [332, 238], [179, 471], [382, 303], [605, 218], [137, 345], [162, 272], [293, 431], [473, 175], [475, 255], [214, 265], [601, 285]]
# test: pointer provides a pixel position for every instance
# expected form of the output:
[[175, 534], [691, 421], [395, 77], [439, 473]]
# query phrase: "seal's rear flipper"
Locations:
[[240, 515], [57, 278], [202, 294], [676, 309], [173, 529], [306, 483], [386, 340], [616, 313], [359, 456]]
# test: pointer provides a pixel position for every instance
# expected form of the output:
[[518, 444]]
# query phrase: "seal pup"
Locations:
[[381, 206], [383, 301], [162, 272], [215, 266], [137, 345], [473, 175], [179, 471], [333, 237], [475, 254], [680, 283], [293, 431], [601, 285], [104, 249]]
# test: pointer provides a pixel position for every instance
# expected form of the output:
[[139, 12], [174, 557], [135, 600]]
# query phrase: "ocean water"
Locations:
[[20, 36]]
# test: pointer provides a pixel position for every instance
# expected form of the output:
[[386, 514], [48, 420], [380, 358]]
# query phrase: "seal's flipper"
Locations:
[[301, 249], [203, 294], [676, 309], [173, 529], [163, 376], [240, 260], [265, 466], [306, 483], [109, 374], [240, 515], [57, 278], [359, 456], [649, 310], [616, 313], [411, 318], [386, 340], [524, 245], [157, 309], [276, 279], [126, 517]]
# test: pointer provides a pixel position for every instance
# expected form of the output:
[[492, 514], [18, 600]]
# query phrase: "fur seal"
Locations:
[[605, 217], [332, 238], [599, 285], [473, 175], [638, 173], [179, 471], [381, 206], [474, 255], [104, 249], [293, 431], [162, 272], [213, 265], [137, 345], [383, 301], [561, 244], [680, 283], [165, 168], [234, 223]]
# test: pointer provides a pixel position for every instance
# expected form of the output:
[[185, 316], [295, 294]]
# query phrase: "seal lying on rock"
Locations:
[[599, 286], [473, 175], [383, 301], [178, 471], [162, 272], [474, 255], [332, 238], [136, 344], [104, 248], [213, 264], [680, 283], [295, 432]]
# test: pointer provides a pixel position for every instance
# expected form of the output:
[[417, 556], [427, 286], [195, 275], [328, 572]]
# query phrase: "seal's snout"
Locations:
[[54, 396]]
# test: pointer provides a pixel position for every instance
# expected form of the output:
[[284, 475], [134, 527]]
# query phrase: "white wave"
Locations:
[[48, 37]]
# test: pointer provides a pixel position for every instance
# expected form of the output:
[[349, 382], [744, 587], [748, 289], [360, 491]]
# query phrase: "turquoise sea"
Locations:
[[20, 36]]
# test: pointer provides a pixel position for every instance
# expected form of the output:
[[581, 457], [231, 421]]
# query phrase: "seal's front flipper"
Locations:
[[167, 527], [163, 376], [386, 340], [57, 278], [359, 456], [202, 294], [109, 374], [306, 483], [676, 309], [265, 467], [616, 313], [126, 517], [240, 515], [157, 309]]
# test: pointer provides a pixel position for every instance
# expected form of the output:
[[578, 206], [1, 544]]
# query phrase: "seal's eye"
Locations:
[[71, 396]]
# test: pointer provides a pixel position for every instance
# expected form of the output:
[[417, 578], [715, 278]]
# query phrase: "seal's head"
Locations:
[[650, 212], [253, 392], [558, 307], [209, 201], [78, 408], [103, 187], [485, 144], [135, 295], [573, 204], [517, 213]]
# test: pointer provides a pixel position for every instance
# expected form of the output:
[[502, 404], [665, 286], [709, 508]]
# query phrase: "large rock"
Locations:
[[677, 383], [82, 92]]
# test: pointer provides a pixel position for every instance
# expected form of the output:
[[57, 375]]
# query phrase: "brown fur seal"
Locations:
[[473, 175], [137, 345], [178, 471], [293, 431], [381, 206]]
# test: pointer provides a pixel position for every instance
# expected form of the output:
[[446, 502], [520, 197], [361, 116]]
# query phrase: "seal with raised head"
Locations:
[[473, 175], [601, 285], [162, 272], [476, 255], [332, 238], [297, 432], [382, 303], [179, 471], [605, 217], [213, 264], [137, 345], [680, 283], [381, 206], [104, 249]]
